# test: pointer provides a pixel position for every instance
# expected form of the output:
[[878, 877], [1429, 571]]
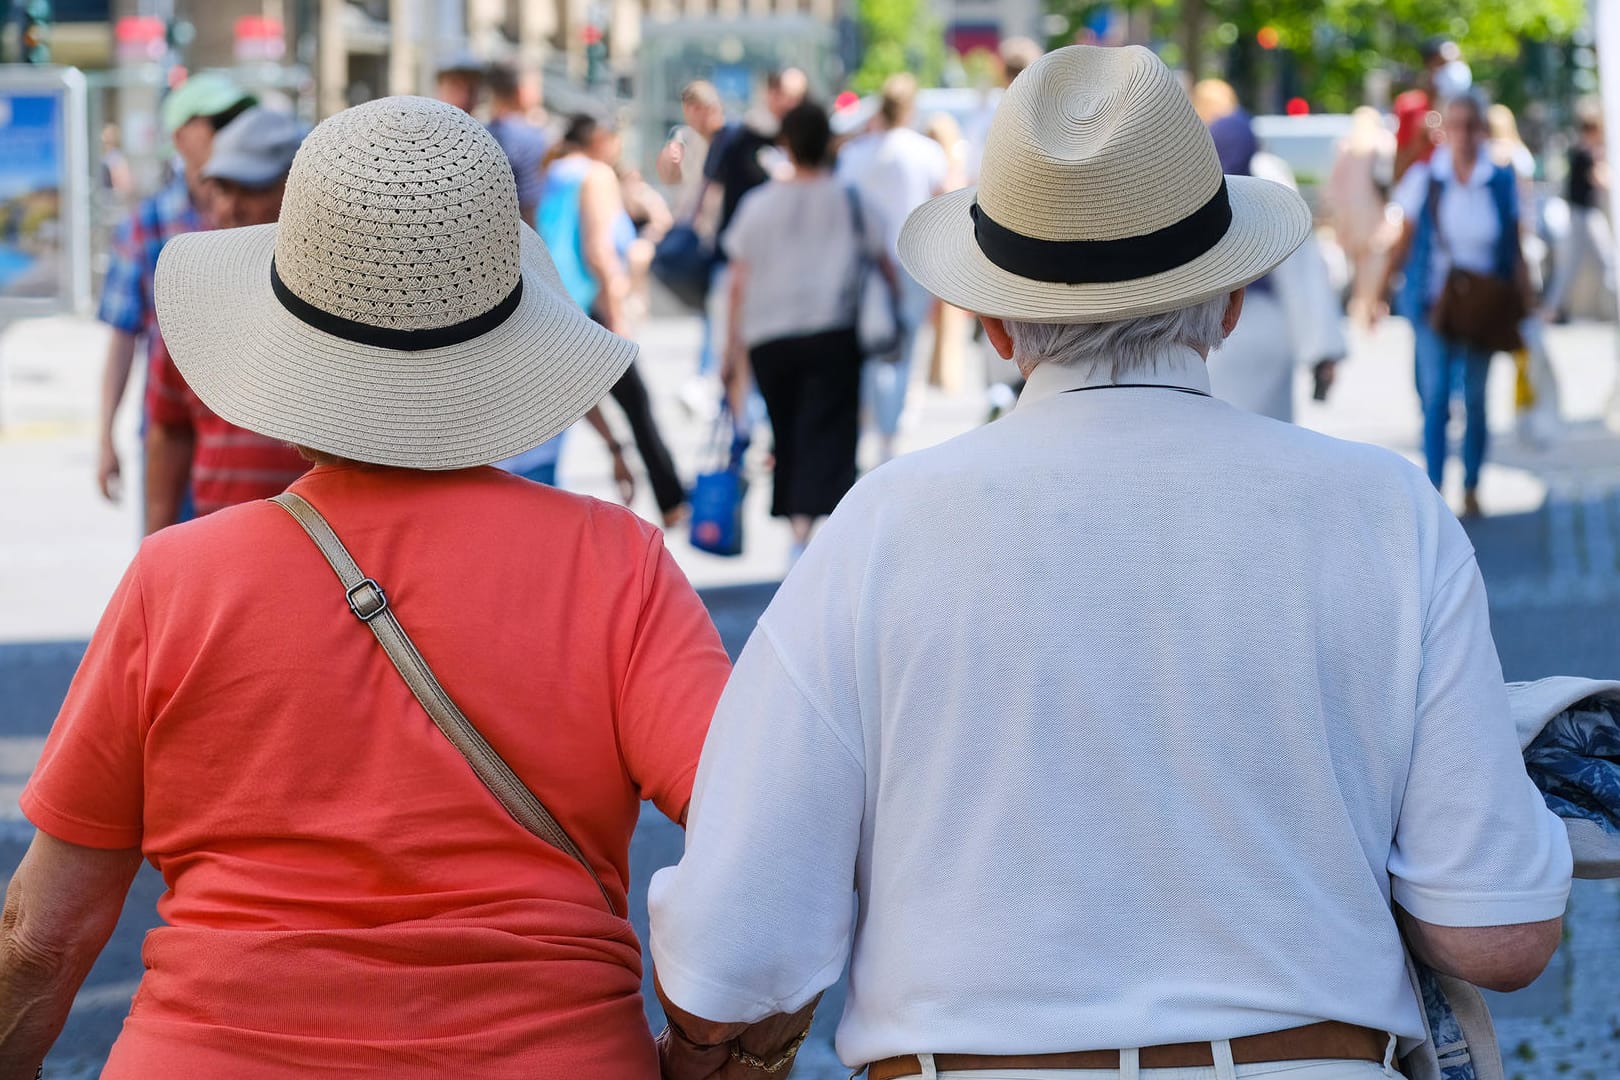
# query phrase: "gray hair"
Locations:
[[1126, 345]]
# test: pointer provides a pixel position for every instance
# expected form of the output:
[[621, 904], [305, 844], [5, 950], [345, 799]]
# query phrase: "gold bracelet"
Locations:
[[743, 1057]]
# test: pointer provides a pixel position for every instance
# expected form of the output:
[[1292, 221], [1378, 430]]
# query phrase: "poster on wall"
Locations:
[[44, 207]]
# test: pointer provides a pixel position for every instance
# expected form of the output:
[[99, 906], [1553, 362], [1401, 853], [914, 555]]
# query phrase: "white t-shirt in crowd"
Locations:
[[1467, 214], [897, 170], [797, 239], [1127, 717]]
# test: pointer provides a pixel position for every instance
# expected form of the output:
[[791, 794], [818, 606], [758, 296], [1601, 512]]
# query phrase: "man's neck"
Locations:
[[500, 110]]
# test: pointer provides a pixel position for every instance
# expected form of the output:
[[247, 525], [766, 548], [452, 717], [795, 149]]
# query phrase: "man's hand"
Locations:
[[109, 473], [670, 160]]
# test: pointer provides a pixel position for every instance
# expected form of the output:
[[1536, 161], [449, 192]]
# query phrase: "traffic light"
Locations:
[[36, 32]]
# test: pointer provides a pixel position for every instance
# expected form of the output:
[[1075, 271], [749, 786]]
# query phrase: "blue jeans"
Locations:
[[1443, 364]]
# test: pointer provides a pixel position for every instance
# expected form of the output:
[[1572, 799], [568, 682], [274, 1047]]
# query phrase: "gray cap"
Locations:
[[256, 149]]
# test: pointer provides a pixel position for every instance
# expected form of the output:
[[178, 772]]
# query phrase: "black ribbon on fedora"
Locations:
[[1089, 262], [387, 337]]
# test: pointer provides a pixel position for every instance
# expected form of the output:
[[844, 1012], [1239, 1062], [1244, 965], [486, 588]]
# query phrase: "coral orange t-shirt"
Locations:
[[344, 896]]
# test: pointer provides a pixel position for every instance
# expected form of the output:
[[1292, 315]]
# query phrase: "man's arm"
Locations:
[[758, 918], [670, 160], [1479, 868], [60, 909], [169, 450], [114, 380], [1504, 958]]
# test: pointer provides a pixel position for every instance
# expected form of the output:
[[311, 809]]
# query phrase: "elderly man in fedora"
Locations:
[[1129, 732]]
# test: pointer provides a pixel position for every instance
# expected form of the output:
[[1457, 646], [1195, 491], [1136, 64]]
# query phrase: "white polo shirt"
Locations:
[[1466, 212], [1124, 718]]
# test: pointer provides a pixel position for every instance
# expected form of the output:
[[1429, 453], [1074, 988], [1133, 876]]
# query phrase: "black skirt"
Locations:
[[812, 389]]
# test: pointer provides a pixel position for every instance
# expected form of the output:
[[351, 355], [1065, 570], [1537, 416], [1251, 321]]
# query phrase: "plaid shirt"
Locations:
[[126, 294]]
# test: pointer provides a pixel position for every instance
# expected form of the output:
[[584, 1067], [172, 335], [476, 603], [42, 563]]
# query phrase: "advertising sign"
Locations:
[[44, 197]]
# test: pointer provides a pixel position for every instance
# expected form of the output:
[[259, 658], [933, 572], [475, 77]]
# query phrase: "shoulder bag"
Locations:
[[1481, 310], [877, 302], [684, 261], [369, 604]]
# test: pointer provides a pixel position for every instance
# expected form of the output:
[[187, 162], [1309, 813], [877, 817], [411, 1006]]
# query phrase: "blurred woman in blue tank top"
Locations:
[[583, 222]]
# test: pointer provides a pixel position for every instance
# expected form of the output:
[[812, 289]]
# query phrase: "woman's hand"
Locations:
[[623, 476]]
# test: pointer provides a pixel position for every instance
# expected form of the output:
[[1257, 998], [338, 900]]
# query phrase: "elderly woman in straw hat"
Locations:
[[1125, 733], [386, 737]]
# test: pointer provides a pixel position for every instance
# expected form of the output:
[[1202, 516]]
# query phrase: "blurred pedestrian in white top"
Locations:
[[795, 252], [1291, 316], [1130, 720], [896, 169]]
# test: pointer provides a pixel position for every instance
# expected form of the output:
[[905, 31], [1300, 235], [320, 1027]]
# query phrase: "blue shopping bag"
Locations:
[[718, 494]]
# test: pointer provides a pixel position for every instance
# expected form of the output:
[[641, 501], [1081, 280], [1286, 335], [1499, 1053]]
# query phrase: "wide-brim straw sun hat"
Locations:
[[1100, 198], [399, 314]]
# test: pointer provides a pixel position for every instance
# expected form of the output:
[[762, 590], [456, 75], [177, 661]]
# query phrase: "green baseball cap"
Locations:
[[207, 94]]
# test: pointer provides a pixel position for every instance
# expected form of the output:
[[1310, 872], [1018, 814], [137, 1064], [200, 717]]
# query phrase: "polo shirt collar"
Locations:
[[1177, 366]]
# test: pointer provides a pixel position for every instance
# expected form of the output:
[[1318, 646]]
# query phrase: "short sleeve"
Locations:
[[676, 672], [123, 301], [758, 917], [1413, 190], [87, 787], [1475, 845], [168, 399]]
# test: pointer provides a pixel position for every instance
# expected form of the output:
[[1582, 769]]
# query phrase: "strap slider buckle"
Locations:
[[367, 605]]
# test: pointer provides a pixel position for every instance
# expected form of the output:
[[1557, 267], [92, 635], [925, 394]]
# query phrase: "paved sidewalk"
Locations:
[[1550, 549]]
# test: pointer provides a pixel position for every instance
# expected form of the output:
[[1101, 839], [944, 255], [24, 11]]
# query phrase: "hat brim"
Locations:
[[259, 366], [937, 247]]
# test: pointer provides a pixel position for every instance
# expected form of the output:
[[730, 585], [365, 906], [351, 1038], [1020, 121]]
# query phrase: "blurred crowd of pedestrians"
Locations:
[[778, 229]]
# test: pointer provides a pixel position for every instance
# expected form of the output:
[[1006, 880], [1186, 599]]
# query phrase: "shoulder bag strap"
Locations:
[[1432, 208], [370, 605]]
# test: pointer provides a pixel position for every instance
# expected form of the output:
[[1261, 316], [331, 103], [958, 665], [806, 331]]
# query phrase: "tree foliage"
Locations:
[[896, 36], [1331, 46]]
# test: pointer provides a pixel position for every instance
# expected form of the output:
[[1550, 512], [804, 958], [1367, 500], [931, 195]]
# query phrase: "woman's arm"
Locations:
[[600, 203], [621, 470], [61, 908], [734, 370], [1394, 263]]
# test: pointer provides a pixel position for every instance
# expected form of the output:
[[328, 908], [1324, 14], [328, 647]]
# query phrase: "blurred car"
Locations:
[[1307, 144], [965, 105]]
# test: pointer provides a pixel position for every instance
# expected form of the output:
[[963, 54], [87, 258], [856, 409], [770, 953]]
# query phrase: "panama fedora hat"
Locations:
[[1100, 198], [400, 313]]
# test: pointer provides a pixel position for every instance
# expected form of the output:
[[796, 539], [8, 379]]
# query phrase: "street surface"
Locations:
[[1549, 547]]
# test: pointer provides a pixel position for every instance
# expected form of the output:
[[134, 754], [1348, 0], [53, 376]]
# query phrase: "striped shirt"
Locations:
[[230, 464]]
